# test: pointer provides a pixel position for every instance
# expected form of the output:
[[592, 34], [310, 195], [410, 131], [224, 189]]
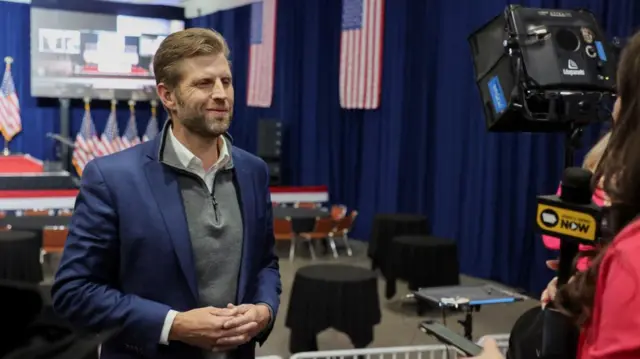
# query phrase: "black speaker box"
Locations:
[[275, 172], [269, 138]]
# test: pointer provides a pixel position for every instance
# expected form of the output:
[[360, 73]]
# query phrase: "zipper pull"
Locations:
[[215, 205]]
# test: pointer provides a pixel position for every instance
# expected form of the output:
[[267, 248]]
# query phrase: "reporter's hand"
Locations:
[[490, 351], [202, 327], [549, 294], [250, 320]]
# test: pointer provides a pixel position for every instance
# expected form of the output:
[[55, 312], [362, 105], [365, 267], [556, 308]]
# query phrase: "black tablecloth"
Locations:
[[302, 219], [335, 296], [422, 261], [20, 256], [34, 224], [388, 226]]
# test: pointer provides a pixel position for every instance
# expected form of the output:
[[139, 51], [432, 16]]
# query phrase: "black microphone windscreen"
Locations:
[[576, 185]]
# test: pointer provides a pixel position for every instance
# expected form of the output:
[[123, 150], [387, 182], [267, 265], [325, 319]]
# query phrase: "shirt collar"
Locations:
[[187, 157]]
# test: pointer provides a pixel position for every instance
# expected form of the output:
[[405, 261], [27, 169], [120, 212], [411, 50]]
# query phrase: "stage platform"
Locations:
[[20, 164], [25, 185], [23, 172]]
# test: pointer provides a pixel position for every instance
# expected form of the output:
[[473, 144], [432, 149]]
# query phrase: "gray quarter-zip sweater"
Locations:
[[214, 218]]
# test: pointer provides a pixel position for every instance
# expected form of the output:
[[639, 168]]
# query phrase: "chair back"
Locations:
[[345, 224], [282, 226], [37, 212], [324, 225], [65, 212], [338, 211], [54, 238]]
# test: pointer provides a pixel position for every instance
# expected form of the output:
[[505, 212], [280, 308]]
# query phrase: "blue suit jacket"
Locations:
[[128, 257]]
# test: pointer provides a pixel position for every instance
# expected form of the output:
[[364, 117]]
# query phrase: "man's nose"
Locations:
[[219, 92]]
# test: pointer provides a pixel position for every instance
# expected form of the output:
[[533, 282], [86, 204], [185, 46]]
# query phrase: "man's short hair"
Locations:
[[182, 45]]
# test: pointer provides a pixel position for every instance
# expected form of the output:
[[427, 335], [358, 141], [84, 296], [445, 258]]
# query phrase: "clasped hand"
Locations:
[[248, 321], [220, 329]]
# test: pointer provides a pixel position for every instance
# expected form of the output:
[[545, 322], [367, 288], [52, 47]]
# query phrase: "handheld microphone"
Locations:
[[572, 217]]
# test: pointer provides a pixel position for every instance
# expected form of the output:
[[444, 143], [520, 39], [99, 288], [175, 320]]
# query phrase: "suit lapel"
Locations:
[[244, 186], [166, 192]]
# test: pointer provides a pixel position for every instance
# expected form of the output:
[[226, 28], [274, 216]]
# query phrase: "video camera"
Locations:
[[542, 70]]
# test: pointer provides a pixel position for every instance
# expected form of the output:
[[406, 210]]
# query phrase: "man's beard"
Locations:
[[198, 123], [206, 127]]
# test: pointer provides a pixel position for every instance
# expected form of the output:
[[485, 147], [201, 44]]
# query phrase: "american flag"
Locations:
[[130, 137], [152, 128], [361, 53], [10, 121], [262, 53], [110, 141], [85, 143]]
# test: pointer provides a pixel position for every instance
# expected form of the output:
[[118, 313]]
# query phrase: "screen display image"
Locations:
[[77, 55]]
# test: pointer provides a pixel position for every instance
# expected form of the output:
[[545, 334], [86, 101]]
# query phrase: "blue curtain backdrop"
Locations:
[[425, 150]]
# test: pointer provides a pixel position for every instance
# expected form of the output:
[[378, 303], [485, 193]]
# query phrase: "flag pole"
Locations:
[[5, 152]]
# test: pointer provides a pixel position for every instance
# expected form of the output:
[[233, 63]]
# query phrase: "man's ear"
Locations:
[[166, 96]]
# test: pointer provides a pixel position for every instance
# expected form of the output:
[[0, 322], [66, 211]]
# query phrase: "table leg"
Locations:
[[467, 323], [302, 342], [390, 287], [421, 307], [362, 339], [374, 264]]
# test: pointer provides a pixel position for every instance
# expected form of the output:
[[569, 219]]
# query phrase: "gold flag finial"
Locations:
[[154, 108]]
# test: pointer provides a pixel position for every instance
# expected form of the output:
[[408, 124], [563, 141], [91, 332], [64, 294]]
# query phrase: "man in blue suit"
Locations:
[[172, 240]]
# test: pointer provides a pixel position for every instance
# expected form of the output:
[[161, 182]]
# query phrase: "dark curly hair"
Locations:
[[619, 170]]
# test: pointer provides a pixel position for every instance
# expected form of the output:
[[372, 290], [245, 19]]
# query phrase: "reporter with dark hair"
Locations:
[[604, 299]]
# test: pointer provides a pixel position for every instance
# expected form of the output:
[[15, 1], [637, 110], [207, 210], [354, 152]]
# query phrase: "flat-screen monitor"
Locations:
[[101, 56]]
